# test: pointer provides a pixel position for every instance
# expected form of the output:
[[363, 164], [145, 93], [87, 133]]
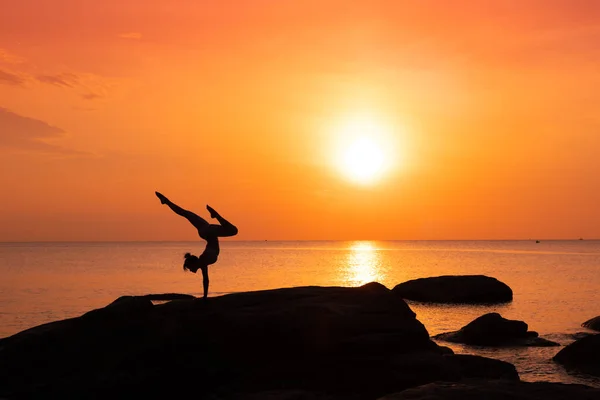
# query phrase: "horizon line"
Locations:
[[301, 240]]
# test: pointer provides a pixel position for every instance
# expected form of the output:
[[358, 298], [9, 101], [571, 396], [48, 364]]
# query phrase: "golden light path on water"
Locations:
[[363, 264]]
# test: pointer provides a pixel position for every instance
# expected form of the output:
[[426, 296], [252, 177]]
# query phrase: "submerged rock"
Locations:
[[339, 342], [497, 390], [583, 355], [493, 330], [579, 335], [469, 289], [593, 323]]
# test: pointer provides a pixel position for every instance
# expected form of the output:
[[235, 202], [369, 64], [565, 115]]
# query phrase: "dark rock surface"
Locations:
[[288, 395], [469, 289], [493, 330], [497, 390], [583, 355], [167, 296], [593, 323], [300, 342], [482, 367]]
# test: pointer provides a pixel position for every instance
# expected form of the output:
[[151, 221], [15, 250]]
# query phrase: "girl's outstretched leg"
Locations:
[[225, 229], [198, 222]]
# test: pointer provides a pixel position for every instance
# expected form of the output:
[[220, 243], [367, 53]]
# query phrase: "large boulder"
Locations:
[[593, 323], [583, 355], [470, 289], [341, 342], [496, 390], [493, 330]]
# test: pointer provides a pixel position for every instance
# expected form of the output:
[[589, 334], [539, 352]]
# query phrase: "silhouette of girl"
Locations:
[[208, 232]]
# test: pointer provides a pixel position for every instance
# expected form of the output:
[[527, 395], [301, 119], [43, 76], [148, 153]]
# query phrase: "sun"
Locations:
[[363, 160], [363, 154]]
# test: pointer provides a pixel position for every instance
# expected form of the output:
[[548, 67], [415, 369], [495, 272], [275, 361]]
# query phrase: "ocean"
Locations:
[[556, 284]]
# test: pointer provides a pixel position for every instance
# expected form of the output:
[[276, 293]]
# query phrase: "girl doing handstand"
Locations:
[[209, 232]]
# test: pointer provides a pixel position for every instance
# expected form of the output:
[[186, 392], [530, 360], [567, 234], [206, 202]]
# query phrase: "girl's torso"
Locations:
[[211, 251]]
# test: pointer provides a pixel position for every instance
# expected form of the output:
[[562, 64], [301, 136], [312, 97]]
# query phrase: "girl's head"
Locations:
[[191, 263]]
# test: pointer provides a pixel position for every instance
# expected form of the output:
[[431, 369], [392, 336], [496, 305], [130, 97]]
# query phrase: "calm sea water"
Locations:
[[555, 283]]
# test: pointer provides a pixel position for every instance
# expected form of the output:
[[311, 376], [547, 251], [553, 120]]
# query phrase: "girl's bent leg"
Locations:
[[198, 222], [225, 229], [221, 230]]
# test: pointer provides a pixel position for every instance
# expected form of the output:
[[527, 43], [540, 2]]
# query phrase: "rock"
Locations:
[[579, 335], [496, 390], [470, 289], [446, 350], [583, 355], [481, 367], [167, 296], [123, 307], [493, 330], [593, 323], [340, 342], [288, 395]]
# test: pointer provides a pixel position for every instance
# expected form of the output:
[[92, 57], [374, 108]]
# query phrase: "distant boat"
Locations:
[[537, 241], [580, 238]]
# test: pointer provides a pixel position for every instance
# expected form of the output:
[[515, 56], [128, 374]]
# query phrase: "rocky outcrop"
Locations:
[[583, 355], [493, 330], [593, 323], [470, 289], [497, 390], [331, 342]]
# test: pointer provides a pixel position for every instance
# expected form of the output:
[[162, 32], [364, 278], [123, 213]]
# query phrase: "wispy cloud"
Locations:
[[15, 71], [91, 85], [8, 78], [29, 134], [131, 35], [63, 80], [9, 58], [91, 96]]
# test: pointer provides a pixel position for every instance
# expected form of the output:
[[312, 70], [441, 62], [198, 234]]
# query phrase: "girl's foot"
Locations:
[[162, 198], [213, 213]]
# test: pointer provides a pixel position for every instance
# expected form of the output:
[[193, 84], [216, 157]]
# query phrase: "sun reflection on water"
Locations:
[[363, 264]]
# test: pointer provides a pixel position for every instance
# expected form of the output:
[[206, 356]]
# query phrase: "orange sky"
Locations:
[[492, 109]]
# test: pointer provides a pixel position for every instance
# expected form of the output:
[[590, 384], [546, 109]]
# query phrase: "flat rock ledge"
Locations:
[[322, 342], [497, 390], [583, 355], [593, 323], [468, 289], [494, 330]]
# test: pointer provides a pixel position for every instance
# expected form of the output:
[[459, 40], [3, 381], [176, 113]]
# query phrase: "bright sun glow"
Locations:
[[364, 264], [364, 150], [363, 160]]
